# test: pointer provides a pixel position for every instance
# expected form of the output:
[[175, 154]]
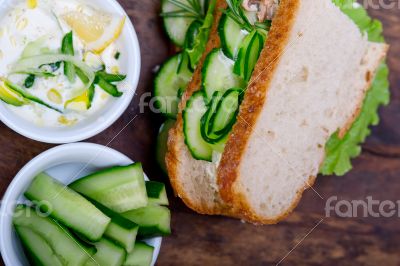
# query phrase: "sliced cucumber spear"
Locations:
[[120, 230], [153, 220], [48, 234], [108, 254], [120, 188], [37, 250], [156, 193], [67, 47], [142, 255], [68, 207]]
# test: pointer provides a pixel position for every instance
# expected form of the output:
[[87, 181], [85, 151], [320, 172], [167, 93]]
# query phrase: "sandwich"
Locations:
[[285, 90]]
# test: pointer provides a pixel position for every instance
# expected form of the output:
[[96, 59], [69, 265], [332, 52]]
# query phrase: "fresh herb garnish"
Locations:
[[236, 13], [54, 66], [29, 81], [67, 47], [117, 55], [191, 9]]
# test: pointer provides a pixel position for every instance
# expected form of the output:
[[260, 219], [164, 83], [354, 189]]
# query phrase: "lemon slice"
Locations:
[[97, 31]]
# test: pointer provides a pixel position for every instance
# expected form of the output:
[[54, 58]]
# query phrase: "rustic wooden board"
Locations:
[[203, 240]]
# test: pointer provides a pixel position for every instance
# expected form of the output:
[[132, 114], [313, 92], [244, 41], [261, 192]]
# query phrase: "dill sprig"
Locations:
[[187, 9]]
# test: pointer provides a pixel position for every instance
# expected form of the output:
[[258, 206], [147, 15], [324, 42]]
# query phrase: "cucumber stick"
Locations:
[[153, 220], [36, 248], [156, 193], [142, 255], [68, 207], [173, 77], [108, 254], [47, 234], [120, 188], [161, 146], [120, 230], [192, 115], [218, 74]]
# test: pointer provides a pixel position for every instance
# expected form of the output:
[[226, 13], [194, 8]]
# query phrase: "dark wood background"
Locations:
[[203, 240]]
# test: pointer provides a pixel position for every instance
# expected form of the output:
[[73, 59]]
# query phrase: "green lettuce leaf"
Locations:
[[200, 43], [339, 152]]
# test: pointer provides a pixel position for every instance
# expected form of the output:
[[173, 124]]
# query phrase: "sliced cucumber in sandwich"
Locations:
[[249, 53], [231, 35], [218, 74], [119, 188], [221, 115], [172, 78], [67, 206], [192, 115], [108, 254], [177, 24], [161, 146], [153, 220], [142, 255], [39, 234], [156, 193]]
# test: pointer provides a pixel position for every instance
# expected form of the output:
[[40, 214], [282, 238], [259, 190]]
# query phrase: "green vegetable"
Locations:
[[108, 87], [188, 8], [29, 81], [35, 62], [110, 77], [117, 55], [36, 72], [67, 47], [27, 95], [11, 97], [198, 45], [339, 152], [55, 66]]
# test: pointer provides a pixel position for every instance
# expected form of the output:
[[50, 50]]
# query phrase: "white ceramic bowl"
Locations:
[[130, 64], [65, 163]]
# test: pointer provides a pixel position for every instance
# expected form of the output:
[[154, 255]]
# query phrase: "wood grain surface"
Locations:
[[307, 237]]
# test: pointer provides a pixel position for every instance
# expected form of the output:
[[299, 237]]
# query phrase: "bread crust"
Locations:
[[255, 97], [369, 76], [250, 109], [176, 133]]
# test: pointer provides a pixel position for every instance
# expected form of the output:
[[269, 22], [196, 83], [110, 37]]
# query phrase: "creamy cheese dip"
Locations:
[[45, 24]]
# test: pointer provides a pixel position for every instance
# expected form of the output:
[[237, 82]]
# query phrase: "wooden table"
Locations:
[[203, 240]]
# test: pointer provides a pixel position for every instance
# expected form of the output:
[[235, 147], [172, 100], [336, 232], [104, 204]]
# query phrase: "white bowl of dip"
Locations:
[[98, 120], [66, 163]]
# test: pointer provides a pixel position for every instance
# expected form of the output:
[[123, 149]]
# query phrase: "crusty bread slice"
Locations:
[[192, 180], [310, 82]]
